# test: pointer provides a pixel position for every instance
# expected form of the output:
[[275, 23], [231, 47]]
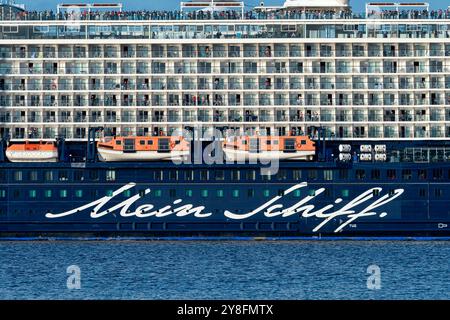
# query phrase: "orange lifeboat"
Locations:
[[41, 151], [252, 148], [142, 148]]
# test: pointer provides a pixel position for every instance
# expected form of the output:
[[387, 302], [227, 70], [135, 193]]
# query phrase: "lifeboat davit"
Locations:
[[253, 148], [41, 151], [143, 148]]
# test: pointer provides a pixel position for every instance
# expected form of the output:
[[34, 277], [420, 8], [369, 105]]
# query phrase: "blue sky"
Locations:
[[358, 5]]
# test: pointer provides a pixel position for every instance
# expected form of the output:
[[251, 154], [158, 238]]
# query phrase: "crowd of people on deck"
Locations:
[[254, 14]]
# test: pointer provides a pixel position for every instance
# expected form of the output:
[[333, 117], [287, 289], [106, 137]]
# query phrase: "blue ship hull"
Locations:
[[323, 199]]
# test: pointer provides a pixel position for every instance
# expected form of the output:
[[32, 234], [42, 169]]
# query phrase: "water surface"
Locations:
[[225, 270]]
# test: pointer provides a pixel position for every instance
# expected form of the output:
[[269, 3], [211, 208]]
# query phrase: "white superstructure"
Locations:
[[284, 72]]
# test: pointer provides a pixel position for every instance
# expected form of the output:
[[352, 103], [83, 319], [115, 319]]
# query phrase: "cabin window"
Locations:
[[312, 192], [158, 175], [141, 193], [158, 193], [266, 177], [48, 175], [251, 175], [173, 174], [204, 175], [312, 174], [33, 175], [127, 193], [63, 193], [280, 192], [109, 193], [235, 193], [268, 142], [250, 193], [303, 142], [2, 193], [93, 175], [345, 193], [118, 142], [438, 193], [79, 193], [16, 194], [297, 193], [376, 192], [438, 174], [172, 193], [204, 193], [110, 175], [48, 193], [266, 193], [219, 193], [78, 175], [18, 176], [275, 142], [343, 174], [189, 175], [328, 175], [282, 175], [32, 193], [142, 142], [375, 174], [406, 174], [296, 174], [219, 175], [422, 174], [391, 174], [150, 142], [63, 175], [235, 175], [360, 174], [188, 193]]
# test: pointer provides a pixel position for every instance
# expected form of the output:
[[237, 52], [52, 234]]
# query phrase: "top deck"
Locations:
[[224, 10]]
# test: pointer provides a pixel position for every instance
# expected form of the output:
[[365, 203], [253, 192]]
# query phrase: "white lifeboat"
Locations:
[[143, 148], [269, 148], [42, 151]]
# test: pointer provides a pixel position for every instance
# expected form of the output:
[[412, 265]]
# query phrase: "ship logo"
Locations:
[[363, 205]]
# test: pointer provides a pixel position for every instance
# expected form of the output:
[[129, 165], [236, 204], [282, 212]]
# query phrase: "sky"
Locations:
[[357, 5]]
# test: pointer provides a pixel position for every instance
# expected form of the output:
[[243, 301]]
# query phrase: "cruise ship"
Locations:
[[224, 120]]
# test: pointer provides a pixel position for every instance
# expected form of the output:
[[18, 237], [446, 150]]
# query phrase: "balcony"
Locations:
[[143, 103], [375, 118], [173, 118], [65, 119], [128, 118], [159, 119]]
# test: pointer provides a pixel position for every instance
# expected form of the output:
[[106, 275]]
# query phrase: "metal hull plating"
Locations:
[[160, 199]]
